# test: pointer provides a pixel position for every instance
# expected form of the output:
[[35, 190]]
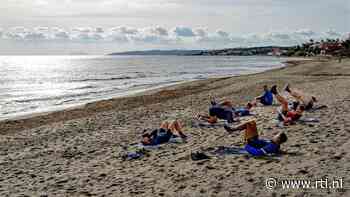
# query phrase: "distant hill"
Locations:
[[266, 50], [160, 52]]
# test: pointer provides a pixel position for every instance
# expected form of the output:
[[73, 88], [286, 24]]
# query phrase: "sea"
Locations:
[[36, 84]]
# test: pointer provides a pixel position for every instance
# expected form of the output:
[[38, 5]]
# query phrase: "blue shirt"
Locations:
[[242, 111], [267, 98], [259, 147]]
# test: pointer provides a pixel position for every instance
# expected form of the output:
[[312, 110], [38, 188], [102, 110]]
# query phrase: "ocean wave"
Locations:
[[103, 79], [67, 97], [84, 87]]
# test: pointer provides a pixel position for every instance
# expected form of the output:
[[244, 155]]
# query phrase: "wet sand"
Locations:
[[76, 152]]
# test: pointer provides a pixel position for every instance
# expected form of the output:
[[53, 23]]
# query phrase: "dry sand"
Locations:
[[76, 152]]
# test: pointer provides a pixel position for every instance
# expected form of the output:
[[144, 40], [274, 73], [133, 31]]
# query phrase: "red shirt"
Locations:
[[293, 115]]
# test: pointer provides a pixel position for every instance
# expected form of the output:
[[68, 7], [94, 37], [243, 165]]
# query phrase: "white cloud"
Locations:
[[35, 36], [183, 32], [82, 29], [159, 31], [125, 30], [222, 33], [99, 30], [61, 35], [305, 32], [332, 33], [158, 37], [201, 32]]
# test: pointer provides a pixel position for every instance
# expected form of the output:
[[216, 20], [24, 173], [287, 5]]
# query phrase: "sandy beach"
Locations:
[[76, 152]]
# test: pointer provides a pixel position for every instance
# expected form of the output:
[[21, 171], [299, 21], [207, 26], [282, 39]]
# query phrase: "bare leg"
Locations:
[[248, 126], [201, 116], [226, 103], [210, 119], [175, 126], [298, 95], [165, 125], [283, 101]]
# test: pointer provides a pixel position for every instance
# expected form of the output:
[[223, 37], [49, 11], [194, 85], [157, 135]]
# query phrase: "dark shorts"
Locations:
[[222, 113], [264, 102], [163, 136], [279, 117], [309, 106]]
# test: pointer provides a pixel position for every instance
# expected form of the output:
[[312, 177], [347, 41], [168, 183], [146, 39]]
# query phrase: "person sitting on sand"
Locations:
[[217, 111], [256, 146], [163, 134], [287, 115], [266, 98], [305, 99]]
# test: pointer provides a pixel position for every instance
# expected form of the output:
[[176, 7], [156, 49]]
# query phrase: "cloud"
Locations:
[[159, 31], [99, 30], [279, 36], [41, 29], [201, 32], [115, 37], [305, 32], [332, 33], [154, 36], [61, 35], [125, 30], [184, 32], [35, 36], [222, 33], [82, 29]]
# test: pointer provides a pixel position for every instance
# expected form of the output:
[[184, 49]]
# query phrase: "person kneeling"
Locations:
[[256, 146]]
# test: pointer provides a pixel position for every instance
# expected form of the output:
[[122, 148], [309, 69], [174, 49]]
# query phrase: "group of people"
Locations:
[[288, 113]]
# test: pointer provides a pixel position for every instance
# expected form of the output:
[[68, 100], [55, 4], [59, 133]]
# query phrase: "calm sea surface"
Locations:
[[30, 84]]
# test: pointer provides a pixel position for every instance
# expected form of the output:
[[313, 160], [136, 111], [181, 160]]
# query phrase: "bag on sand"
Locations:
[[196, 156]]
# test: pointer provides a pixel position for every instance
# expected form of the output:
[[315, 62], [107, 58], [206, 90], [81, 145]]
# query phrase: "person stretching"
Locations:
[[217, 111], [305, 99], [266, 98], [286, 115], [163, 134], [256, 146]]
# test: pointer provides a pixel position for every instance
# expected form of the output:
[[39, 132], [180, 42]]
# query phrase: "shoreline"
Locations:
[[73, 108], [78, 152], [75, 111]]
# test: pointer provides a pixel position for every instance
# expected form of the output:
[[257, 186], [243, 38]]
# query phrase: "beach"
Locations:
[[76, 152]]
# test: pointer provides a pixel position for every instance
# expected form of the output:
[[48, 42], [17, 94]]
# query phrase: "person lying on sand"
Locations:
[[162, 135], [256, 146], [287, 115], [305, 99], [266, 98], [239, 111], [225, 111], [217, 111], [243, 111]]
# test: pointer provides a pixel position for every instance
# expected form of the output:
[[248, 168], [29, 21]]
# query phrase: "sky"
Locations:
[[60, 27]]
